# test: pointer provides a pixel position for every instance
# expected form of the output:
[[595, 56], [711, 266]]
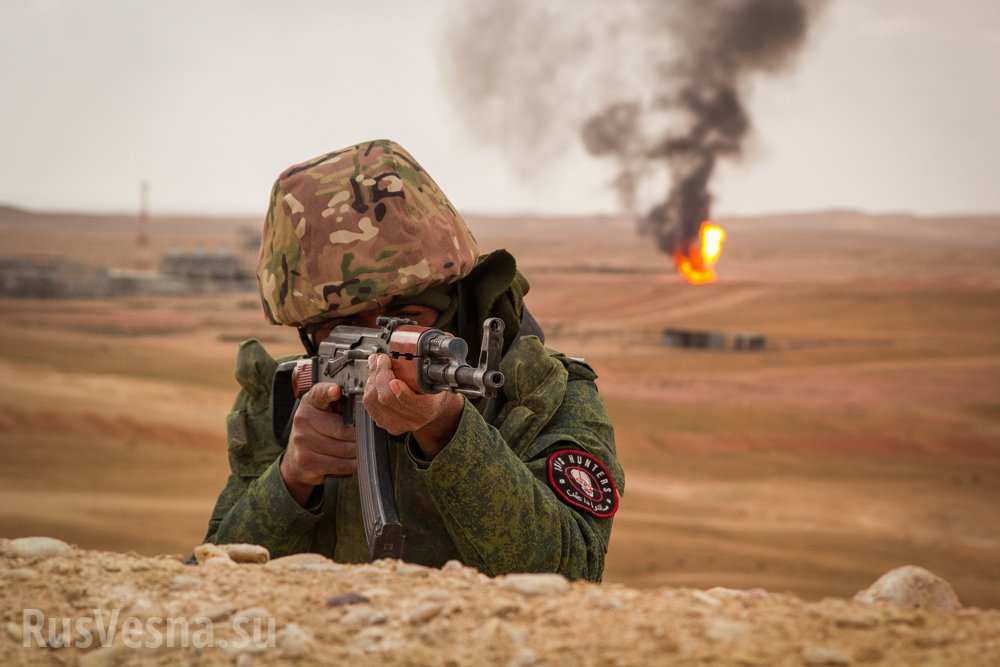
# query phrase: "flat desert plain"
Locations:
[[865, 436]]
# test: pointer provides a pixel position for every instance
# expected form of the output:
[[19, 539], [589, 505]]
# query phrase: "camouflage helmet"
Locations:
[[354, 228]]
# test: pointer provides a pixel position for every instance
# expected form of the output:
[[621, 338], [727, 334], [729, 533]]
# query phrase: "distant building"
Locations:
[[713, 340], [51, 278], [205, 269]]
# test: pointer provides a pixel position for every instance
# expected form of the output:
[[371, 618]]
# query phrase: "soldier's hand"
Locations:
[[431, 418], [320, 445]]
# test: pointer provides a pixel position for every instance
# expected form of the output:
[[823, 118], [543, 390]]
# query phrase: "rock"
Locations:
[[423, 613], [219, 563], [523, 658], [183, 582], [824, 655], [18, 574], [535, 584], [35, 547], [303, 563], [452, 566], [911, 586], [710, 600], [14, 631], [218, 612], [293, 641], [244, 660], [412, 569], [363, 616], [724, 630], [208, 551], [247, 553], [346, 599]]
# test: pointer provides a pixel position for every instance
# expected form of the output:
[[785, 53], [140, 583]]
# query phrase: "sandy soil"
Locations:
[[866, 436], [315, 612]]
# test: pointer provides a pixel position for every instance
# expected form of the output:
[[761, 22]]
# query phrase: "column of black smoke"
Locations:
[[722, 44], [531, 76]]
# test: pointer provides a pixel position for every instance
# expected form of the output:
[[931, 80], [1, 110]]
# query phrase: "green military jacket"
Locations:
[[499, 496]]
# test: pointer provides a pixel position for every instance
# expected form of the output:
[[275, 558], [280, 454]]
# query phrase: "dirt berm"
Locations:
[[308, 610]]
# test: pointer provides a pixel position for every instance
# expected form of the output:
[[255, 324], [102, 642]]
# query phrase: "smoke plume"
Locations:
[[646, 83]]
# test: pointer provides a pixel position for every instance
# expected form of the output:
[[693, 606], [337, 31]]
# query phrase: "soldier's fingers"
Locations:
[[330, 425], [381, 375], [321, 464], [340, 449], [387, 417], [322, 394], [306, 437], [403, 395]]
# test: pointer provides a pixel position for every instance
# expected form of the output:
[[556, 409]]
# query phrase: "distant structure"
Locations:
[[142, 233], [181, 272], [51, 278], [713, 340], [205, 270]]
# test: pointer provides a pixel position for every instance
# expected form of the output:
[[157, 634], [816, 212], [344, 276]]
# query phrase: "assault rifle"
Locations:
[[427, 360]]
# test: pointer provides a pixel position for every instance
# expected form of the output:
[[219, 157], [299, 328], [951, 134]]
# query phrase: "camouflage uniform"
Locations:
[[490, 497]]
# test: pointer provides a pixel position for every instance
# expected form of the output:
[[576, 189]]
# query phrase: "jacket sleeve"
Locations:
[[255, 506], [498, 506], [262, 511]]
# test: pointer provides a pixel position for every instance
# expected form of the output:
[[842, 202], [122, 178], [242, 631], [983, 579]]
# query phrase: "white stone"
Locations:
[[424, 613], [293, 641], [247, 553], [303, 563], [36, 547], [535, 584], [911, 586], [702, 596], [208, 551], [217, 613]]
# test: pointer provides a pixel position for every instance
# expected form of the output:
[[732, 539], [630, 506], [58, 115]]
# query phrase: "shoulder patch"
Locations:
[[582, 481]]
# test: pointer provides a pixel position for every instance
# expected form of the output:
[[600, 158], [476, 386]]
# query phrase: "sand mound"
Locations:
[[310, 610]]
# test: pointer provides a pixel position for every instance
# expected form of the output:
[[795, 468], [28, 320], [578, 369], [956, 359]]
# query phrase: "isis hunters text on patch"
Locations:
[[583, 482]]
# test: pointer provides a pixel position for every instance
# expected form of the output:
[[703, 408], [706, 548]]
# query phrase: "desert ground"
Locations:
[[865, 436]]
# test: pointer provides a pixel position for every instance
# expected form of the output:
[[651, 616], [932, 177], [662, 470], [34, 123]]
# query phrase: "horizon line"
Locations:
[[722, 215]]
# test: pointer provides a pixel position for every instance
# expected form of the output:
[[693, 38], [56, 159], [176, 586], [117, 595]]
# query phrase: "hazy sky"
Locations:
[[895, 105]]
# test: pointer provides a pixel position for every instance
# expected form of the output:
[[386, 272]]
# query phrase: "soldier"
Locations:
[[528, 482]]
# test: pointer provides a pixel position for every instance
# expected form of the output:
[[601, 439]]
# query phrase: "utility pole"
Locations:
[[142, 236]]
